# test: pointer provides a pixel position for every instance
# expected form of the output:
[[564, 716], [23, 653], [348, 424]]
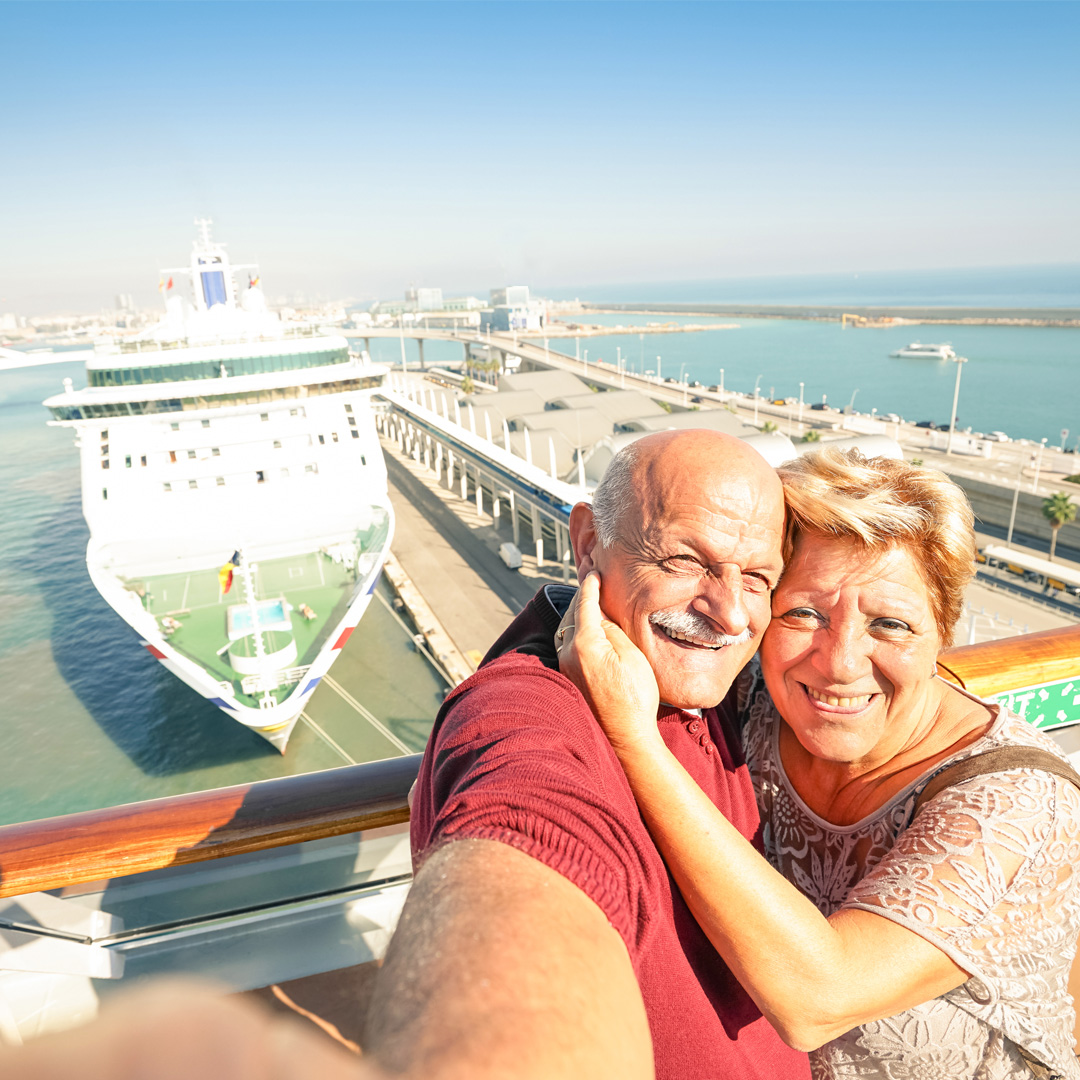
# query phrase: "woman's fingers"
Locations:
[[589, 616]]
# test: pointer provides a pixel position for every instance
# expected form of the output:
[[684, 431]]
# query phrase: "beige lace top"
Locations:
[[987, 873]]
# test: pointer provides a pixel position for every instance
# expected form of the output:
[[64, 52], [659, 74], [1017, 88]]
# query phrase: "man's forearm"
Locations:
[[502, 967]]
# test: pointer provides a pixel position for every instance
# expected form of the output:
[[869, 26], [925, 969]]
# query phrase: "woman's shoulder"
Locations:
[[1007, 731], [1022, 800]]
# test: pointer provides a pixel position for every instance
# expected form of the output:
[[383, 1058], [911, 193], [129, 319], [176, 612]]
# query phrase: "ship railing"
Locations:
[[271, 680], [291, 877], [146, 346]]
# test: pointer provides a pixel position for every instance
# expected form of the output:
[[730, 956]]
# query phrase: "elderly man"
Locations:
[[543, 936]]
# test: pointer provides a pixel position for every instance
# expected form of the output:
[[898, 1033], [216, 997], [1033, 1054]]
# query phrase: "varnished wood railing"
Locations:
[[996, 666], [122, 840]]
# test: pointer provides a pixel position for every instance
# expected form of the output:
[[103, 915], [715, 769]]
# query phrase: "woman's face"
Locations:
[[849, 654]]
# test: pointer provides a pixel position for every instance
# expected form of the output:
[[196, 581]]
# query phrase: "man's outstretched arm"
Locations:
[[500, 967]]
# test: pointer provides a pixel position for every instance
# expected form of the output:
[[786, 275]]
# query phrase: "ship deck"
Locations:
[[195, 601]]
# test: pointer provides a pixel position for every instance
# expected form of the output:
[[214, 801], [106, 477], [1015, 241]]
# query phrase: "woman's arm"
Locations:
[[814, 978]]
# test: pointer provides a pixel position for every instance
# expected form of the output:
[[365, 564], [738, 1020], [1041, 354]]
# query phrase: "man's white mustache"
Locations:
[[698, 628]]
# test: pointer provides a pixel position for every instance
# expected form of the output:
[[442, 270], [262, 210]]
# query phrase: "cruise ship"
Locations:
[[918, 351], [235, 490]]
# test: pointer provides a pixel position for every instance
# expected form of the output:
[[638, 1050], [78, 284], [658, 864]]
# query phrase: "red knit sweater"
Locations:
[[516, 756]]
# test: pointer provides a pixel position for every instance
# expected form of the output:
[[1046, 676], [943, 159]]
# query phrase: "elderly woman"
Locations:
[[891, 943]]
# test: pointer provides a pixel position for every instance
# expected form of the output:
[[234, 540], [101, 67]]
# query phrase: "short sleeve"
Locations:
[[520, 760], [986, 873]]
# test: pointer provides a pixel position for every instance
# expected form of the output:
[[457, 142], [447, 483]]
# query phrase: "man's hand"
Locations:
[[173, 1030], [609, 669]]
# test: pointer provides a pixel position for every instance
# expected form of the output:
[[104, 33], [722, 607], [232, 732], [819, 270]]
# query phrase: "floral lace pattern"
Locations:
[[987, 873]]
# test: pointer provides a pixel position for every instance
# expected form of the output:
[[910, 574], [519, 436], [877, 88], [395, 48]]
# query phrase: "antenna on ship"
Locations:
[[204, 230]]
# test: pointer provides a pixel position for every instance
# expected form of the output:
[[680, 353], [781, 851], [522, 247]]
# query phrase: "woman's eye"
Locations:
[[892, 626], [801, 616]]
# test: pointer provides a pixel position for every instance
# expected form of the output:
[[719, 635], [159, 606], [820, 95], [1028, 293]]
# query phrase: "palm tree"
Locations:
[[1058, 509]]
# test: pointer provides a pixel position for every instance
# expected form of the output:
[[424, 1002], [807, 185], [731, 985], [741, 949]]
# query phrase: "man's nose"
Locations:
[[722, 601]]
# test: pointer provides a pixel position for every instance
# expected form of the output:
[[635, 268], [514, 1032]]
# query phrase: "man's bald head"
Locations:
[[654, 465], [685, 532]]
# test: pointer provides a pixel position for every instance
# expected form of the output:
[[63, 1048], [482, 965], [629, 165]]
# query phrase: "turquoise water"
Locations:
[[89, 718], [1022, 380]]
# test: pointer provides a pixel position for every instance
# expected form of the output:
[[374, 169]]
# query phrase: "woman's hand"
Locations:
[[609, 670]]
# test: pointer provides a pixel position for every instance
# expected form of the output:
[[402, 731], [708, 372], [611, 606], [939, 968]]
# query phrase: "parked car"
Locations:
[[892, 418], [695, 400], [670, 379], [931, 424], [714, 389], [998, 436], [820, 406], [779, 401]]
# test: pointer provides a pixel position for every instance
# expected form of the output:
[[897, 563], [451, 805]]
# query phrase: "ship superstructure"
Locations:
[[235, 491]]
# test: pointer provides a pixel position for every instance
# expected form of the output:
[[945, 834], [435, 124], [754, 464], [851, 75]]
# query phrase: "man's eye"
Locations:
[[682, 564], [756, 583], [893, 626]]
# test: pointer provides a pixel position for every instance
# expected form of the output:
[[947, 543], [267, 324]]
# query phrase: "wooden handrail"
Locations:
[[1027, 660], [122, 840]]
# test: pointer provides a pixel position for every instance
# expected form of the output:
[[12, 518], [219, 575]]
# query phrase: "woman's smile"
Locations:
[[839, 702]]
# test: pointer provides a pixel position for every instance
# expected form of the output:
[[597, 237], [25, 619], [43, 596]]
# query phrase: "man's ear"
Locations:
[[583, 538]]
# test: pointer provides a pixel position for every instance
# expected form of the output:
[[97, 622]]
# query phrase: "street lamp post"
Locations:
[[757, 383], [800, 406], [721, 384], [1016, 499], [960, 362], [659, 371], [1038, 466]]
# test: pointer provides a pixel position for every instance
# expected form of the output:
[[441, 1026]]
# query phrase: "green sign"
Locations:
[[1048, 705]]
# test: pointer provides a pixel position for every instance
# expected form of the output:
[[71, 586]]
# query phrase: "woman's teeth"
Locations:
[[840, 702], [689, 640]]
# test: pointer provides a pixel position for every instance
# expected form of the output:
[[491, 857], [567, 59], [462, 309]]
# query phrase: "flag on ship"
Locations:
[[169, 286], [253, 281], [225, 574], [161, 285]]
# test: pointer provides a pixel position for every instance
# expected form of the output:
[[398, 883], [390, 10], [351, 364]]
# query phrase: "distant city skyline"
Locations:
[[354, 150]]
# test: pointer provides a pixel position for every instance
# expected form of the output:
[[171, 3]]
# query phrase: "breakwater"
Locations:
[[876, 314]]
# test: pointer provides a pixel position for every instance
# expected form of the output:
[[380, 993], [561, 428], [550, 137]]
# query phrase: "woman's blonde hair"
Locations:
[[881, 502]]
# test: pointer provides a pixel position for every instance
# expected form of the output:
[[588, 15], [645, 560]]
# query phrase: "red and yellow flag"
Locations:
[[225, 576]]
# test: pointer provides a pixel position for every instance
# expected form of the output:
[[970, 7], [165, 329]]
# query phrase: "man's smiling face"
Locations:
[[695, 557]]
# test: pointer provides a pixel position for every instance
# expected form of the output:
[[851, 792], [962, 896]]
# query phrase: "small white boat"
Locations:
[[917, 351]]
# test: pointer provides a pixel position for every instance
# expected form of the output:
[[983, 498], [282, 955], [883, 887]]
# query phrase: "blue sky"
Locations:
[[355, 148]]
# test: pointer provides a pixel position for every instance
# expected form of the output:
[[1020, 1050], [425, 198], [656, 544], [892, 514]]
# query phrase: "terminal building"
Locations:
[[512, 309]]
